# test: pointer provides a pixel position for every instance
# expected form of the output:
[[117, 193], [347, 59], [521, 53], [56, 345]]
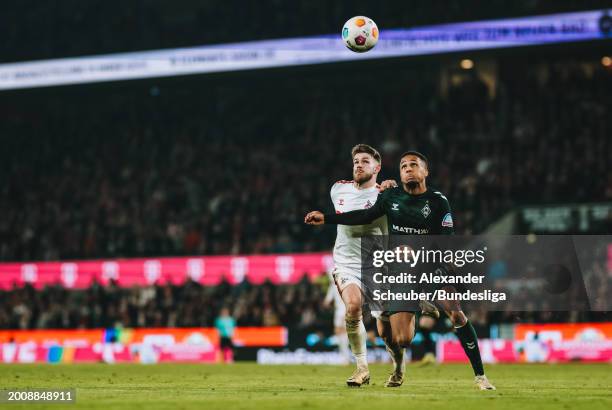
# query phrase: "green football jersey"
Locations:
[[428, 213]]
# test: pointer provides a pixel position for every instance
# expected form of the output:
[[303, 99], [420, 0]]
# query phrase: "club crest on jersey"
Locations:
[[341, 201], [426, 210], [447, 221], [395, 207], [368, 204]]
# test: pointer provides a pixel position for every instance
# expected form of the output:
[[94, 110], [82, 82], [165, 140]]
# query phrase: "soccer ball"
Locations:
[[360, 34]]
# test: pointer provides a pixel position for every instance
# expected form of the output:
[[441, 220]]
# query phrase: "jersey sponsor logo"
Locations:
[[395, 207], [447, 221], [426, 210], [408, 229]]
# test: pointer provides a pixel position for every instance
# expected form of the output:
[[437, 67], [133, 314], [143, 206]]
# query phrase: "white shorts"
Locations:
[[343, 278]]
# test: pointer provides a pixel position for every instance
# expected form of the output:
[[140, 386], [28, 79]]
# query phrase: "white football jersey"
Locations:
[[347, 250]]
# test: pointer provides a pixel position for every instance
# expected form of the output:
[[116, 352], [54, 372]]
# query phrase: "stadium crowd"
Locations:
[[296, 306], [231, 166], [188, 305]]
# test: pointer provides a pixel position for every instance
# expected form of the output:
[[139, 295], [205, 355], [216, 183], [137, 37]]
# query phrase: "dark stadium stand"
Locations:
[[229, 166], [114, 26]]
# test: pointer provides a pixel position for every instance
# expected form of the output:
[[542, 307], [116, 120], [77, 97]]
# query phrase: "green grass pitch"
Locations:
[[252, 386]]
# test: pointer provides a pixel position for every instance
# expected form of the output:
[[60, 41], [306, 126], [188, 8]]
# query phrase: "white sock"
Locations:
[[355, 330], [343, 347]]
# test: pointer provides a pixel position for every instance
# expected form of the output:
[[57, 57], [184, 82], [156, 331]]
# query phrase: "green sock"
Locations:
[[469, 342]]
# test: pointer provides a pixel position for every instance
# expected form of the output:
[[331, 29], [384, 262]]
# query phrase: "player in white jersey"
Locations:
[[349, 196], [361, 193]]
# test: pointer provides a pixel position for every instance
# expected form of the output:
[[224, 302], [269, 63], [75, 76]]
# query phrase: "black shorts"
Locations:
[[226, 342]]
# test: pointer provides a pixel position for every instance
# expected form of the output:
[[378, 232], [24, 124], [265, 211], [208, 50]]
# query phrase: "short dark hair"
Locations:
[[366, 149], [418, 155]]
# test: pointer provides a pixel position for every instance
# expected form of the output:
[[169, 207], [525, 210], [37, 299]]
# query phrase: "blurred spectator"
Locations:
[[225, 325]]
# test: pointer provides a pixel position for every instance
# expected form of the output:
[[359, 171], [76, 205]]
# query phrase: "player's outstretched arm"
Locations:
[[358, 217]]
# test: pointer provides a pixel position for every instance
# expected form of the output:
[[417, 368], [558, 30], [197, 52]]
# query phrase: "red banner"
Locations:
[[208, 270], [107, 353], [541, 343], [244, 336], [145, 345], [530, 351], [566, 332], [491, 350]]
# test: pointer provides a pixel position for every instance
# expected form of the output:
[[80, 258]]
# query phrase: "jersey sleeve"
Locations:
[[332, 192], [443, 222], [360, 216], [333, 195]]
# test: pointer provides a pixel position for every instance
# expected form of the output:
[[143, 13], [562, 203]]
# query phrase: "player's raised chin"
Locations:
[[413, 170]]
